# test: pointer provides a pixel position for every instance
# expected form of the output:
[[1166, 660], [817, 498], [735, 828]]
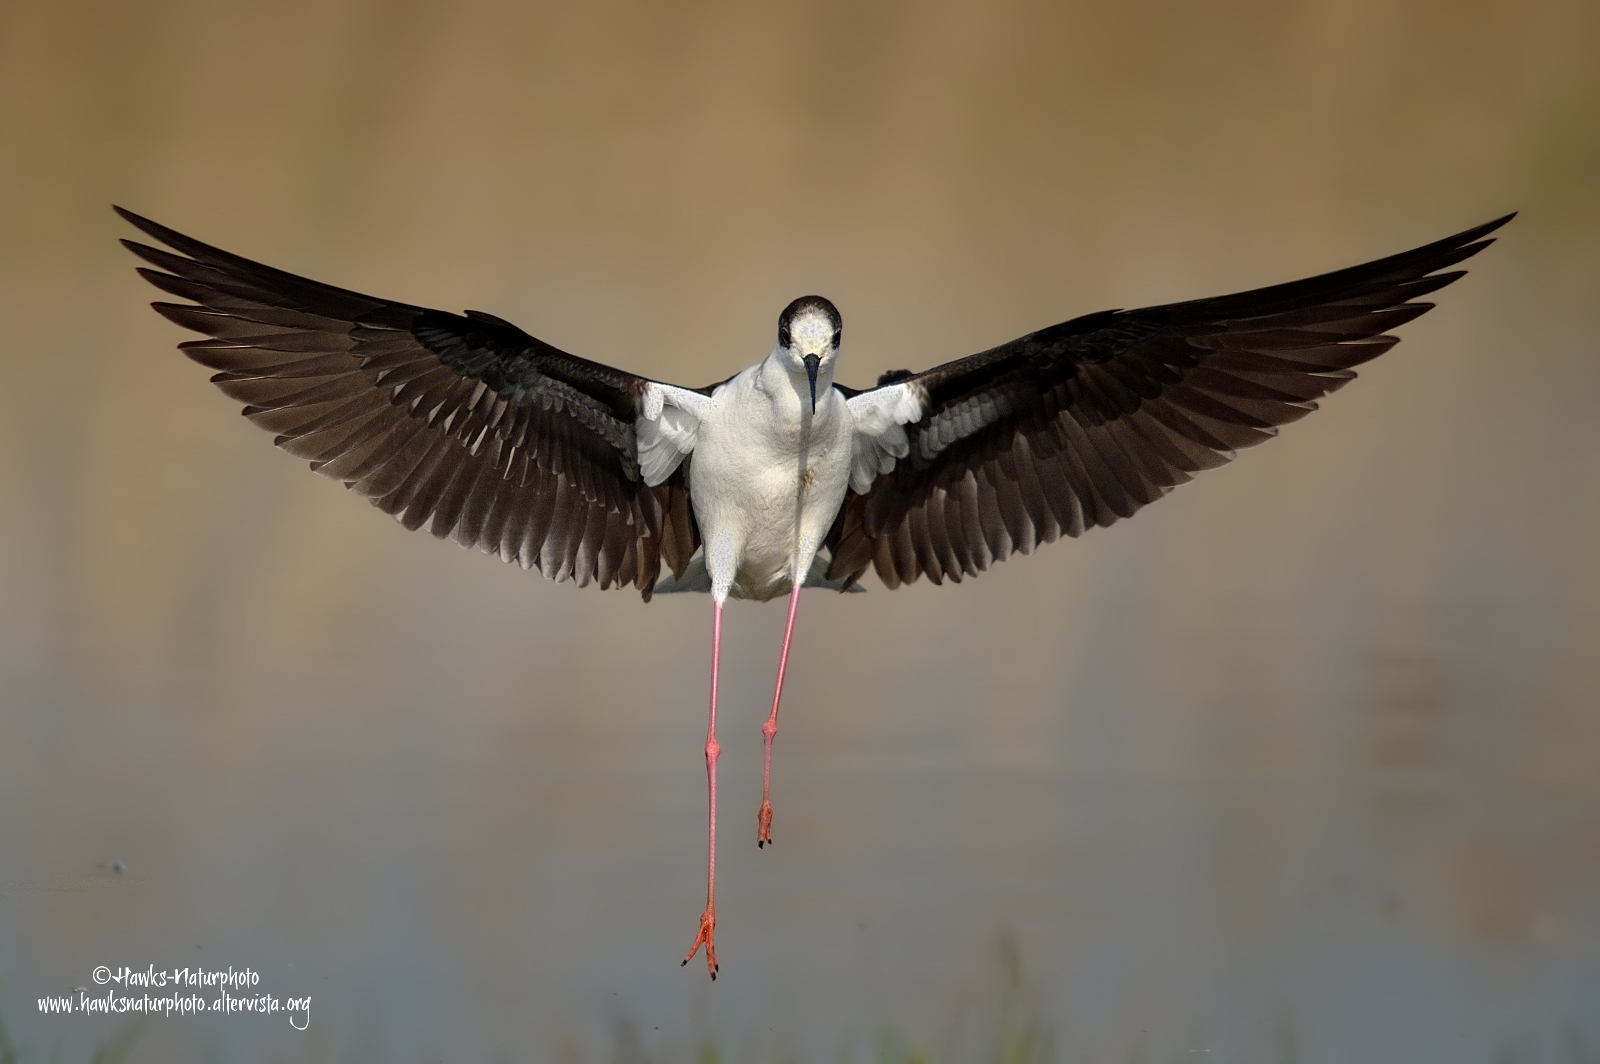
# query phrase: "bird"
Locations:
[[780, 477]]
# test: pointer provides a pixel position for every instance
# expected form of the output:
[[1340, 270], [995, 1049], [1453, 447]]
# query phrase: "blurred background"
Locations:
[[1298, 765]]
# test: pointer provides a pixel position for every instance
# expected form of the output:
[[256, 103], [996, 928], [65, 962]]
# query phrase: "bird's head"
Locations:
[[808, 339]]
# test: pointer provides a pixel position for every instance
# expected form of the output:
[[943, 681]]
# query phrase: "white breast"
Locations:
[[768, 476]]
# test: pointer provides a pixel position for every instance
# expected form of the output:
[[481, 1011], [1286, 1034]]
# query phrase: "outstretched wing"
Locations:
[[461, 424], [1083, 423]]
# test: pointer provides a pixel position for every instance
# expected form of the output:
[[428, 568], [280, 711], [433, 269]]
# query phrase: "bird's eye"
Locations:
[[783, 336], [836, 334]]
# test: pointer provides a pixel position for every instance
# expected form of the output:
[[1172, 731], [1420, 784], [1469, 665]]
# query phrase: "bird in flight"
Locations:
[[778, 478]]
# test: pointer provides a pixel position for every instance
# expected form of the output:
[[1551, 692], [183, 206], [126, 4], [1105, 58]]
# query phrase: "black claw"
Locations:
[[683, 962], [713, 977], [759, 844]]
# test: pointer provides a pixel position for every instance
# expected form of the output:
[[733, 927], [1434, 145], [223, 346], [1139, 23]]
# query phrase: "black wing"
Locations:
[[1083, 423], [463, 424]]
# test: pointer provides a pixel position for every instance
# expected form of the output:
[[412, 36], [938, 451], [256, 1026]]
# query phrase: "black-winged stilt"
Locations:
[[777, 478]]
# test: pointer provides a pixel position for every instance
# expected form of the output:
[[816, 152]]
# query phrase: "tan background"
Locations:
[[1300, 761]]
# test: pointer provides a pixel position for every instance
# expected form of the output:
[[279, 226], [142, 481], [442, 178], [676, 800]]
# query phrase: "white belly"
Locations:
[[766, 485]]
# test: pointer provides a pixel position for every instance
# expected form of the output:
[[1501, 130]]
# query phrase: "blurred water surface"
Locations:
[[1298, 764]]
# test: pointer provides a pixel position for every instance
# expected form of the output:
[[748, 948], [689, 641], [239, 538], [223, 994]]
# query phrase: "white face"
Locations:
[[811, 333]]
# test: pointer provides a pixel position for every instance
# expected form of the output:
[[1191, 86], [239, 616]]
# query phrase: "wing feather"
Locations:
[[461, 424], [1085, 422]]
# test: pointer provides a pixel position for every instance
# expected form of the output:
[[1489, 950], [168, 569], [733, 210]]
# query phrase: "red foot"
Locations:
[[764, 825], [707, 935]]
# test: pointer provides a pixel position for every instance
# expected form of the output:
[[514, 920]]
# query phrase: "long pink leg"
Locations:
[[708, 919], [770, 729]]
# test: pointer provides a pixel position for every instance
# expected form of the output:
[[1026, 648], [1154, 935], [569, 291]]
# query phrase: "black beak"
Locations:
[[812, 362]]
